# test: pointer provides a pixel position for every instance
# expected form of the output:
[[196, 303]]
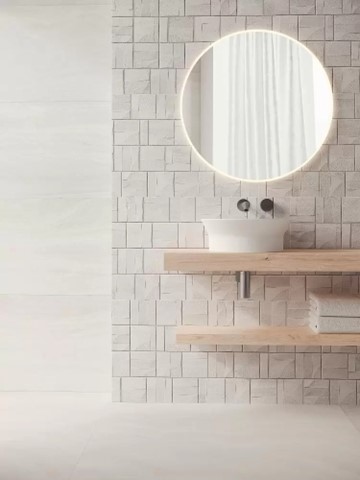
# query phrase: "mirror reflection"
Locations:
[[257, 105]]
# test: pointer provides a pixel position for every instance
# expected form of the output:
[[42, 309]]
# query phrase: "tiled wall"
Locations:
[[55, 195], [162, 191]]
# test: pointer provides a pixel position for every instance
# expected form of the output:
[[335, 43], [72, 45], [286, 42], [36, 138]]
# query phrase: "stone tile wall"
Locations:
[[162, 191]]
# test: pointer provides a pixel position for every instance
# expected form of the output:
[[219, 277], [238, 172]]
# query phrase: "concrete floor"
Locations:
[[84, 437]]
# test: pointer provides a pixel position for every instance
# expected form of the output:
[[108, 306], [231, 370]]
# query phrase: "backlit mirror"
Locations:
[[257, 105]]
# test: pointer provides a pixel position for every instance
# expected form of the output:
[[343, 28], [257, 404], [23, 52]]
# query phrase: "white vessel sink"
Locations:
[[241, 235]]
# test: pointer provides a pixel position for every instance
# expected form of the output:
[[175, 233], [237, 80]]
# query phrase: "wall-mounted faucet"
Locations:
[[267, 205], [243, 205]]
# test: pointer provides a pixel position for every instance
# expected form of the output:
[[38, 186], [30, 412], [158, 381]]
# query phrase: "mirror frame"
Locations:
[[327, 130]]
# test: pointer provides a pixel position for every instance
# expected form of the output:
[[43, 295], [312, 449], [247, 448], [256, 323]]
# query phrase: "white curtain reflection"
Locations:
[[263, 106]]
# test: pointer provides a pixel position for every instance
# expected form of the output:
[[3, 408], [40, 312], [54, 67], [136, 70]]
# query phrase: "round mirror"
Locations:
[[257, 105]]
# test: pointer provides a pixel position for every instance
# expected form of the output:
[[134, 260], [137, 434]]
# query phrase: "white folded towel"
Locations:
[[335, 324], [335, 305]]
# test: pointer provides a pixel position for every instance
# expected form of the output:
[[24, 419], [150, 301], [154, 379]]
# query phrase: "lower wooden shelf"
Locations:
[[262, 336]]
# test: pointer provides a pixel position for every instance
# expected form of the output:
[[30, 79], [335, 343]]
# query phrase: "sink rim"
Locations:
[[245, 220]]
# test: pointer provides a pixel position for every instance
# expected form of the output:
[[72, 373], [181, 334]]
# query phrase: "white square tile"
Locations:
[[55, 246], [47, 343], [47, 148], [67, 59]]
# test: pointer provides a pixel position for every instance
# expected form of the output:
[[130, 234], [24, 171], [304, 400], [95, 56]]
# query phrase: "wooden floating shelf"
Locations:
[[304, 260], [262, 336]]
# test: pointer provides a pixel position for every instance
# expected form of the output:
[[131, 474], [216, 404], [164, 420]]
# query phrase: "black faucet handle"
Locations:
[[267, 205]]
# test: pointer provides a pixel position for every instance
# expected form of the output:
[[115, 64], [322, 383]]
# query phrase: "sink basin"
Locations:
[[241, 235]]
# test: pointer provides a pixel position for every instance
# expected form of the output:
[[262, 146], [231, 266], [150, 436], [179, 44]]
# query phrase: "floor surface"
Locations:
[[84, 437]]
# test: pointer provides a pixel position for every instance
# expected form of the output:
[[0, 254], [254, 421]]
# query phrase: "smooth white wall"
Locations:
[[55, 196]]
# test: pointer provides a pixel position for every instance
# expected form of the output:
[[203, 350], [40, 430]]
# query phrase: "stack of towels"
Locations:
[[330, 313]]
